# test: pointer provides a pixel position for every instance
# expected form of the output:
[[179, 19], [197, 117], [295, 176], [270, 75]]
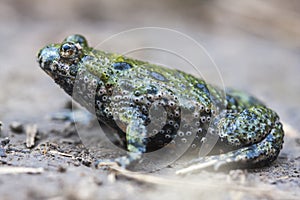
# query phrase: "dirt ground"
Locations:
[[255, 45]]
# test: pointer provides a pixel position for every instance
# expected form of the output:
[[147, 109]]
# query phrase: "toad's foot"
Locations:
[[241, 158]]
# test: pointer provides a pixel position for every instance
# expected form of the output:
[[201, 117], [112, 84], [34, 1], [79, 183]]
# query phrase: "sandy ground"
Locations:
[[255, 46]]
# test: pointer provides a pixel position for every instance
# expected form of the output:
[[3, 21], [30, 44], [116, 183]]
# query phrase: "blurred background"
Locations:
[[255, 44]]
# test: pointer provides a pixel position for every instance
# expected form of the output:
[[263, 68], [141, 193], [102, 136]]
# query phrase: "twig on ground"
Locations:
[[20, 170], [60, 153], [31, 131], [261, 190]]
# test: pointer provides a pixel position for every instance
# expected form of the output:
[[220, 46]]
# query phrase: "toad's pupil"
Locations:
[[66, 47]]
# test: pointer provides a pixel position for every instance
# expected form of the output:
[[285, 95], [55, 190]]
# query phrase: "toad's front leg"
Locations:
[[257, 135], [136, 134]]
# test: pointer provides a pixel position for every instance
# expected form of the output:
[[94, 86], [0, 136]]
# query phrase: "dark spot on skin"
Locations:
[[122, 66], [87, 58], [158, 76], [152, 90], [202, 87], [231, 100], [182, 86]]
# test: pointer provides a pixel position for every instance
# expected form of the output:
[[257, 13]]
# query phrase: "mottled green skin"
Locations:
[[151, 106]]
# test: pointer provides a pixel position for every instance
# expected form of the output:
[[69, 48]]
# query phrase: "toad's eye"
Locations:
[[69, 50]]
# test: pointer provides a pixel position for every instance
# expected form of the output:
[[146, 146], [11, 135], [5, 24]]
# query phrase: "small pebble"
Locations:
[[5, 141], [2, 152], [16, 127], [98, 181], [86, 162], [61, 169], [67, 141]]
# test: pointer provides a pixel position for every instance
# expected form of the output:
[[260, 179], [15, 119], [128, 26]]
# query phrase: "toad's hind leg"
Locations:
[[256, 135]]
